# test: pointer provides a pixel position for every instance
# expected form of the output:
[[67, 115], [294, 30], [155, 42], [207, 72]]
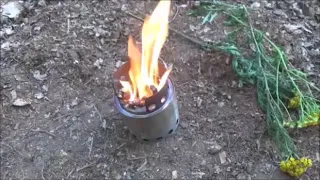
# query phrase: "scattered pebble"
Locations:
[[12, 9], [199, 101], [221, 104], [198, 174], [98, 63], [223, 157], [118, 63], [8, 31], [174, 175], [280, 12], [13, 94], [18, 77], [21, 102], [255, 5], [5, 46], [42, 3], [296, 29], [45, 87], [75, 102], [100, 32], [37, 75], [39, 95], [214, 149], [183, 125], [217, 169]]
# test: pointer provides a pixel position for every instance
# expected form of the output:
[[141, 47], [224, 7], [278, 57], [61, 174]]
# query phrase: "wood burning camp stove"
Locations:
[[156, 117]]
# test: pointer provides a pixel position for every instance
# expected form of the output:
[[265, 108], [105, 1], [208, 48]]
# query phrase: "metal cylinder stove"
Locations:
[[159, 118]]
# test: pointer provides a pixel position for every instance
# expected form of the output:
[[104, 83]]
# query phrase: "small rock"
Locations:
[[100, 32], [198, 174], [118, 64], [12, 9], [183, 125], [5, 45], [217, 169], [174, 175], [42, 3], [233, 84], [18, 77], [45, 87], [38, 95], [269, 6], [223, 157], [21, 102], [199, 101], [255, 5], [295, 29], [228, 169], [13, 94], [73, 55], [37, 28], [214, 149], [221, 104], [38, 76], [98, 62], [280, 12], [229, 97], [9, 31], [210, 120], [75, 102]]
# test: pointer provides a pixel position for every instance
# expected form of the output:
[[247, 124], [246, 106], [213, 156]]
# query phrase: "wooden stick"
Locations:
[[173, 30]]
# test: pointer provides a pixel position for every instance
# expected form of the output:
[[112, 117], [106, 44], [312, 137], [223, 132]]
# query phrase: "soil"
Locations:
[[60, 61]]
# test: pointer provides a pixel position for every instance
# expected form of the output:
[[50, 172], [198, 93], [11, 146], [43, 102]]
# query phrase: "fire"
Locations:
[[143, 71]]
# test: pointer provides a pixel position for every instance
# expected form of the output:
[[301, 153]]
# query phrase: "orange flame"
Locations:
[[143, 71]]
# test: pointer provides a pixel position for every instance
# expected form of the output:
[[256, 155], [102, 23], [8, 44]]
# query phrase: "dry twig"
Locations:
[[90, 148], [12, 149], [42, 172], [173, 30], [86, 166], [43, 131]]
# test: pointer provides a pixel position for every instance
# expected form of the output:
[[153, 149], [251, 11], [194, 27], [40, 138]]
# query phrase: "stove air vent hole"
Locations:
[[163, 100], [151, 107]]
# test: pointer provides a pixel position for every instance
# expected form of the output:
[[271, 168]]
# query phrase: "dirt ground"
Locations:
[[59, 59]]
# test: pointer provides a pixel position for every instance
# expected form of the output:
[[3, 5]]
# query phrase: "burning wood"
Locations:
[[143, 73], [153, 89], [125, 96]]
